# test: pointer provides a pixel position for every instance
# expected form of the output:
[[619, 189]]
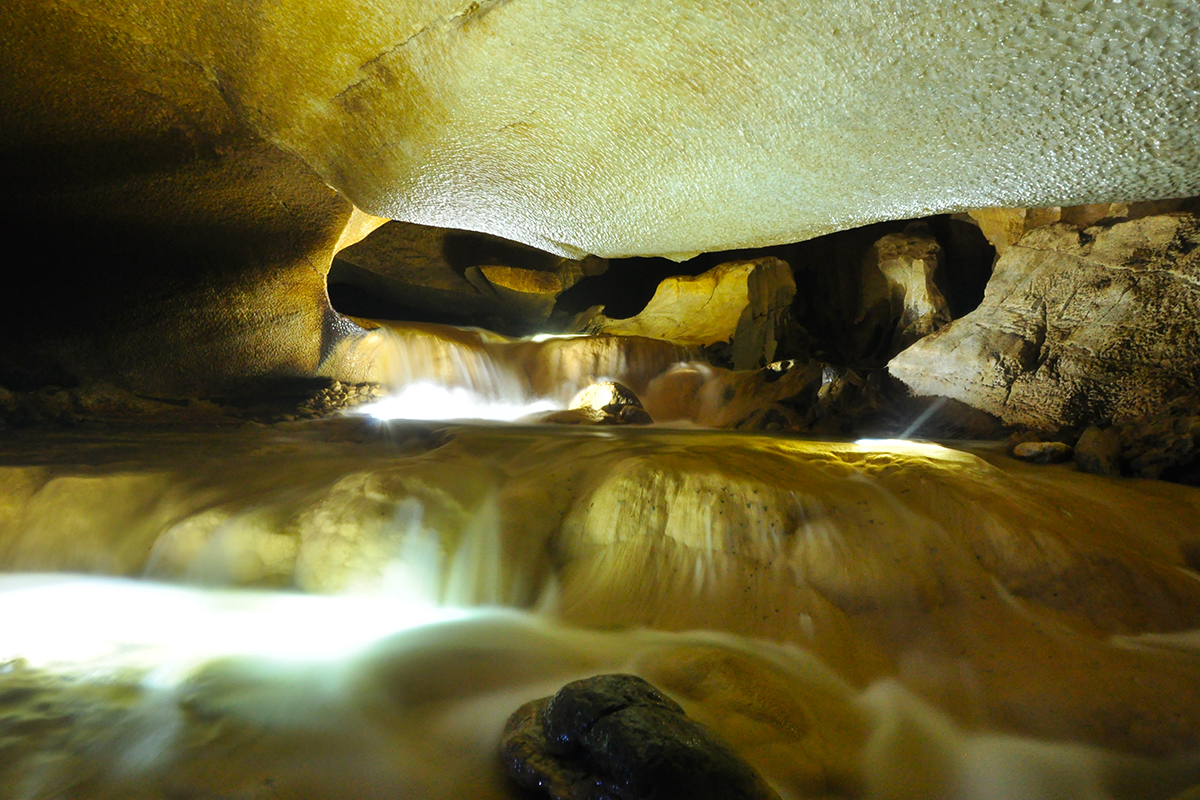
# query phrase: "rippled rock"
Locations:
[[616, 736]]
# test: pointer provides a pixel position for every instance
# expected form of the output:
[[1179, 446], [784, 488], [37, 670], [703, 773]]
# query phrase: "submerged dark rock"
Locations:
[[1099, 452], [616, 737]]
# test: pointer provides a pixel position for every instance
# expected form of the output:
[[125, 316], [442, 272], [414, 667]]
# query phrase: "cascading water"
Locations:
[[436, 376], [438, 372], [350, 608]]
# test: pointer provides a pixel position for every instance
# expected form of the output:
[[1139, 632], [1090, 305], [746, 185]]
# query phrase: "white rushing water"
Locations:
[[431, 401], [437, 372]]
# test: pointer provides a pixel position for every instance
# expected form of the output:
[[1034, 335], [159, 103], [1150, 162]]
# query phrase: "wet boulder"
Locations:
[[1099, 452], [1043, 452], [616, 736], [611, 402]]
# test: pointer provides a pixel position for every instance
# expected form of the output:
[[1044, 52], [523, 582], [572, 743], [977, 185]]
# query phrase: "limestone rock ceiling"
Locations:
[[650, 128]]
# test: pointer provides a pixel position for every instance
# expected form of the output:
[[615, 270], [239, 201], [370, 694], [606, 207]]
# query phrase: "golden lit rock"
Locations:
[[1075, 327], [315, 607], [900, 300], [608, 396], [1005, 226], [529, 292], [485, 116], [744, 303]]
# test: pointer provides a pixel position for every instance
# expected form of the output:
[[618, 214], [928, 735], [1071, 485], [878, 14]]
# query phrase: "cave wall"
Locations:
[[168, 248]]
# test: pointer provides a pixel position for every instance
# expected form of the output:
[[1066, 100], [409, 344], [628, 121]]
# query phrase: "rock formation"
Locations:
[[1043, 452], [855, 619], [900, 301], [494, 116], [1005, 226], [609, 399], [1165, 443], [175, 165], [744, 304], [1099, 452], [1076, 327]]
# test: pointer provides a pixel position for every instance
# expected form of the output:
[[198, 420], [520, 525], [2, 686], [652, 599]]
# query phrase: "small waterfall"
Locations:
[[441, 372], [438, 372], [431, 568]]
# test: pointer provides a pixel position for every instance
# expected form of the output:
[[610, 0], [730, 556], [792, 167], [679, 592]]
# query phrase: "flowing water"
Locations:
[[351, 608], [438, 372]]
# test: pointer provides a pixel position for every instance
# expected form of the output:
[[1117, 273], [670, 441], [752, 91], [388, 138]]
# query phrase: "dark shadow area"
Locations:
[[465, 249], [348, 297], [967, 262]]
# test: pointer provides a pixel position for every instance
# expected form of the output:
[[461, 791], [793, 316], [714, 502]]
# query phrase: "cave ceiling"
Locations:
[[196, 164]]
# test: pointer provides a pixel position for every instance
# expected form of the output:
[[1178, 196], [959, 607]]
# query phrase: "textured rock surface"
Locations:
[[1164, 444], [189, 149], [1076, 327], [703, 132], [745, 303], [1005, 226], [900, 300], [616, 736]]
